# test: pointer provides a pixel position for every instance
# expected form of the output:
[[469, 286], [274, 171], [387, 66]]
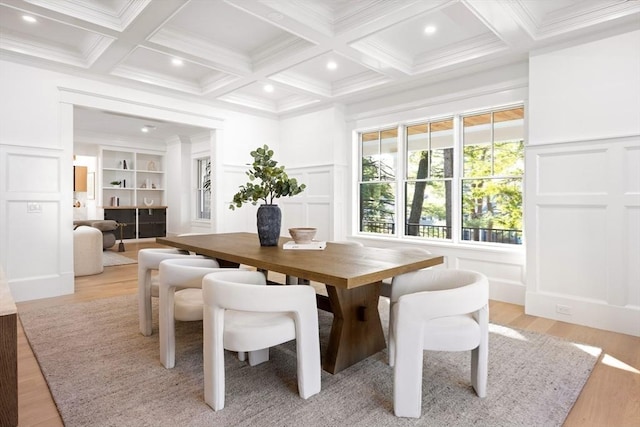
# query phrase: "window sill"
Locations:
[[496, 248]]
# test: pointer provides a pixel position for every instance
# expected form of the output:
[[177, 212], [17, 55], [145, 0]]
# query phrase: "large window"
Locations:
[[203, 188], [461, 178]]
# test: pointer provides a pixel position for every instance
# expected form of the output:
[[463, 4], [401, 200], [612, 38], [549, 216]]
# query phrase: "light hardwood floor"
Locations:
[[611, 396]]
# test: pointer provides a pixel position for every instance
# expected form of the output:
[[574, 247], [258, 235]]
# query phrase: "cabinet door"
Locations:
[[80, 178], [152, 222], [124, 216]]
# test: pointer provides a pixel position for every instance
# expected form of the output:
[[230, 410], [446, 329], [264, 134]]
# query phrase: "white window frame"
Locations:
[[197, 190], [456, 193]]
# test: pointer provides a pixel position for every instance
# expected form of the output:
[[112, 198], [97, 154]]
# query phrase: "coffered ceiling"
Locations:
[[282, 56]]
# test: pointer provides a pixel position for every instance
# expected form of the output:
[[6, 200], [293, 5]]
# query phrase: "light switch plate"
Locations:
[[34, 207]]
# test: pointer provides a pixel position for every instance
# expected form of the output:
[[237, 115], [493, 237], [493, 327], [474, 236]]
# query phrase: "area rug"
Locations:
[[110, 259], [102, 372]]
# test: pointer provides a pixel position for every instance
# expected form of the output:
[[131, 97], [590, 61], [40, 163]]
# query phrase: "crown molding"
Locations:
[[467, 50], [134, 73], [306, 84], [117, 20], [571, 18]]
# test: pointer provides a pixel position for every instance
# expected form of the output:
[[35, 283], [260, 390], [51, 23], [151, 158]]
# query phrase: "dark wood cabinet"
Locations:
[[152, 222], [140, 222]]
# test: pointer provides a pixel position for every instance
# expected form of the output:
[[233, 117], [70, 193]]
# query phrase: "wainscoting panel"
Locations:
[[632, 170], [505, 269], [226, 220], [582, 214], [574, 172], [632, 249], [36, 248], [506, 279], [319, 183], [320, 217], [566, 237], [32, 172]]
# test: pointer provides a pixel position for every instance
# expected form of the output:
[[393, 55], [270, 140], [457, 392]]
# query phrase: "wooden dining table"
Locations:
[[352, 275]]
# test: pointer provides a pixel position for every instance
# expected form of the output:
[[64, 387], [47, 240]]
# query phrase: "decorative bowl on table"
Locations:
[[302, 235]]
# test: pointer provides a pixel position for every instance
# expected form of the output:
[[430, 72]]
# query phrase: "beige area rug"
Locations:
[[102, 372], [110, 259]]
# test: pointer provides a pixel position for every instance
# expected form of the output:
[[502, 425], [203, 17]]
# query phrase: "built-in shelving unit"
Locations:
[[137, 199], [140, 176]]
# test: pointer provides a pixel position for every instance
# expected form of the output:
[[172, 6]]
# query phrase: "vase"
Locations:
[[269, 221]]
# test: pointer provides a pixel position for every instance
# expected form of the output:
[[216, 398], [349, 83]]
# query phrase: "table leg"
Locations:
[[356, 331]]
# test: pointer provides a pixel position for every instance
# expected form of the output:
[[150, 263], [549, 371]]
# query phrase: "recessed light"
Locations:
[[29, 18], [147, 128], [177, 62], [430, 29], [332, 65], [268, 88]]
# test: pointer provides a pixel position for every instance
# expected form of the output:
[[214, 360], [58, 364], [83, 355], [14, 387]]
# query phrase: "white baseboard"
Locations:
[[595, 314], [42, 287], [507, 292]]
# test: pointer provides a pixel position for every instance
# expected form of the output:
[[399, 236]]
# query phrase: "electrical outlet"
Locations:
[[563, 309]]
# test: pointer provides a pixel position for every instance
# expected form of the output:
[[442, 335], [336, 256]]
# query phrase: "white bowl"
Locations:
[[303, 234]]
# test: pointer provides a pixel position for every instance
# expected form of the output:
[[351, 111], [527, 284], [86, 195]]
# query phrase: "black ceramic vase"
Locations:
[[269, 220]]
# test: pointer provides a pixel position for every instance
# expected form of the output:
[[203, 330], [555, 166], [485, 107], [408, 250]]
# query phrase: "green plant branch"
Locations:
[[267, 181]]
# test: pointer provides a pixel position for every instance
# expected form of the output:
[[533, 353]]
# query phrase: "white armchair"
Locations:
[[149, 261], [385, 290], [180, 292], [438, 310], [241, 314]]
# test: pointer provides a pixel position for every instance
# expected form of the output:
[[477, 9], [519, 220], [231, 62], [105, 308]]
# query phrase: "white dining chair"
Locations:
[[180, 293], [242, 314], [385, 290], [149, 261], [437, 310]]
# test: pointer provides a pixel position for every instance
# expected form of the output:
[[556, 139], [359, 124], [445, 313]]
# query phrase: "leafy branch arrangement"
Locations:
[[273, 182]]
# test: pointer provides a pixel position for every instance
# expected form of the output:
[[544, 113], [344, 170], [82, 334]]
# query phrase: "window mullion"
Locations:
[[456, 187], [401, 179]]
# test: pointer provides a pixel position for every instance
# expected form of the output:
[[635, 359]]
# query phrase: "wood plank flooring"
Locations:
[[611, 396]]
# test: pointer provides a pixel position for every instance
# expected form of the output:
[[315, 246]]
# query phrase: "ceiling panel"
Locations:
[[231, 48]]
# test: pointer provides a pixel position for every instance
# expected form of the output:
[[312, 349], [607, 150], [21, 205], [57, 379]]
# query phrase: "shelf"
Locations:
[[143, 168]]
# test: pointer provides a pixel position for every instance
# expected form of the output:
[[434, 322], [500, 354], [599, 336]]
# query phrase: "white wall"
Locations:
[[315, 149], [36, 185], [586, 92], [583, 184], [231, 147], [36, 159]]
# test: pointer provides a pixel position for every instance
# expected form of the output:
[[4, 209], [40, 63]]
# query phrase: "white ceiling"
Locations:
[[232, 48]]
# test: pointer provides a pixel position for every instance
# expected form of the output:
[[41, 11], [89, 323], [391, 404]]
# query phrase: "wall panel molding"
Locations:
[[581, 213]]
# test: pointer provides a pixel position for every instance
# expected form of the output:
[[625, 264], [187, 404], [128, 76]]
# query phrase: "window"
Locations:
[[377, 181], [203, 190], [429, 173], [482, 166], [493, 166]]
